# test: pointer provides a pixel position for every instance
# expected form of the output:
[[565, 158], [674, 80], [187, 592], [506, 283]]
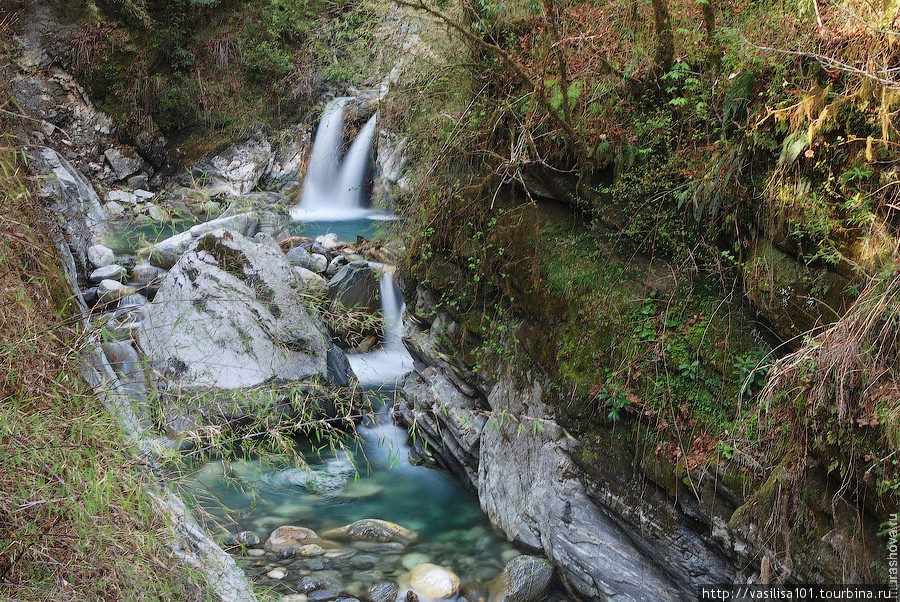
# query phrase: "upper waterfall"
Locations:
[[334, 189]]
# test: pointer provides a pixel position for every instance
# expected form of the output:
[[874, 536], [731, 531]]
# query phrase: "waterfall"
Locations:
[[392, 307], [351, 180], [386, 366], [324, 159], [333, 189]]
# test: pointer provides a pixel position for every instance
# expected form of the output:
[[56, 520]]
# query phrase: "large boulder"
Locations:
[[229, 315], [166, 252], [237, 169], [525, 579], [355, 286]]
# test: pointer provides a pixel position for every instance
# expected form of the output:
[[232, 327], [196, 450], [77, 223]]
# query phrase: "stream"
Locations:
[[370, 478]]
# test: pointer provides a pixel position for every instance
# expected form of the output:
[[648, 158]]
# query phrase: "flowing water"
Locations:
[[372, 478]]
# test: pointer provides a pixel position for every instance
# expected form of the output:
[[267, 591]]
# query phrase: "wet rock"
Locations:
[[125, 162], [355, 285], [295, 598], [276, 574], [312, 583], [244, 538], [242, 299], [256, 552], [474, 592], [289, 536], [310, 550], [146, 274], [244, 223], [384, 592], [372, 529], [107, 272], [100, 256], [336, 264], [414, 559], [432, 581], [323, 595], [525, 579]]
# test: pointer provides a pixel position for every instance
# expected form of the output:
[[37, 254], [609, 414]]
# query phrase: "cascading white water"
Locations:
[[384, 367], [325, 157], [351, 179], [333, 189]]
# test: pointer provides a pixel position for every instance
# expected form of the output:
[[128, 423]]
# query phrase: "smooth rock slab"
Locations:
[[166, 252], [432, 581], [372, 529], [245, 223], [230, 314]]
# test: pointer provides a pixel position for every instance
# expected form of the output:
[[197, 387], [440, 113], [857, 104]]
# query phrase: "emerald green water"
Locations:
[[372, 480]]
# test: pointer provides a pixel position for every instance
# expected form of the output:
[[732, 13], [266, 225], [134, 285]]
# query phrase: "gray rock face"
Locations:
[[287, 162], [229, 315], [607, 542], [125, 162], [237, 169], [525, 579], [243, 223], [75, 200], [355, 285]]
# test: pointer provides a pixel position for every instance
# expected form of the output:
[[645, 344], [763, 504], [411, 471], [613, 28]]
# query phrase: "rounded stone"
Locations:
[[145, 273], [414, 559], [244, 538], [276, 574], [108, 272], [372, 529], [318, 262], [432, 581], [525, 579], [288, 536], [100, 256], [310, 550], [256, 552], [384, 592]]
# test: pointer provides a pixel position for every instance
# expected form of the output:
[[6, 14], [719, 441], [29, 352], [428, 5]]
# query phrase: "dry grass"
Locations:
[[75, 522]]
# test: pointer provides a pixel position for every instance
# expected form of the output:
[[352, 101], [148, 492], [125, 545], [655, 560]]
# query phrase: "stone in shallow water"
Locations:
[[432, 581], [312, 583], [276, 574], [322, 595], [414, 559], [383, 592], [244, 538], [295, 598], [372, 529], [289, 536], [256, 552], [525, 579], [310, 550]]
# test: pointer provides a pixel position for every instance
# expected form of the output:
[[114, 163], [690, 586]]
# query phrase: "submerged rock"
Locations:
[[372, 529], [230, 315], [244, 538], [525, 579], [432, 581], [384, 592], [289, 536]]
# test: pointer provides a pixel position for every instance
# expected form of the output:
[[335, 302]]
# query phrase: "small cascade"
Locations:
[[351, 179], [325, 157], [334, 190], [385, 366]]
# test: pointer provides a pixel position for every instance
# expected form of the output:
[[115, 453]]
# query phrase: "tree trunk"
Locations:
[[665, 39]]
